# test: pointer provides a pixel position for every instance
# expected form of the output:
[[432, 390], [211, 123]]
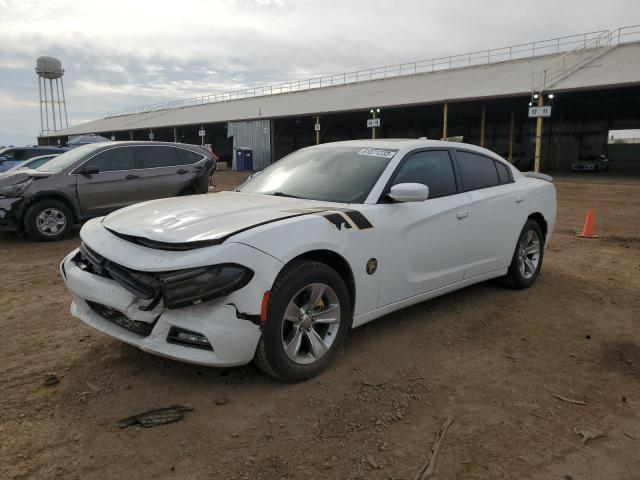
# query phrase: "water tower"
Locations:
[[49, 68]]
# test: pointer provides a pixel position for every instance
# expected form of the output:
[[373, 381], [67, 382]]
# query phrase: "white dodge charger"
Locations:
[[322, 241]]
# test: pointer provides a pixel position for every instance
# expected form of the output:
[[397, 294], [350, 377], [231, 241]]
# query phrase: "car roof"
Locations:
[[407, 144], [112, 143], [36, 147]]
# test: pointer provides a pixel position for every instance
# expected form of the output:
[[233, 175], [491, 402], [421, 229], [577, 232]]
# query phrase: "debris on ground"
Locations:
[[589, 433], [372, 462], [570, 400], [51, 380], [429, 467], [94, 388], [158, 416]]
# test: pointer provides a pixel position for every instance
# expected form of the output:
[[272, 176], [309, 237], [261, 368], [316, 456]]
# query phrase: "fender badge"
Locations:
[[372, 266]]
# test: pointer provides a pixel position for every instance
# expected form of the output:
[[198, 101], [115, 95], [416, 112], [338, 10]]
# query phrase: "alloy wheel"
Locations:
[[310, 324], [529, 254]]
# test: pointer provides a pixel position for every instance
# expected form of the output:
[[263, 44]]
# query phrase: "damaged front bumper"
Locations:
[[103, 303]]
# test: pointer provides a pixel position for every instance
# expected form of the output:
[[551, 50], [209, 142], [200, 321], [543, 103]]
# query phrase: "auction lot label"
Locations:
[[377, 152]]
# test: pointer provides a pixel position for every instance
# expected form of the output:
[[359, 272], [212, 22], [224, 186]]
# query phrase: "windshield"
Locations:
[[66, 159], [331, 174]]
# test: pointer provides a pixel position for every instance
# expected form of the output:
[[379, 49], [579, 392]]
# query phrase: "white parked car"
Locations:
[[322, 241]]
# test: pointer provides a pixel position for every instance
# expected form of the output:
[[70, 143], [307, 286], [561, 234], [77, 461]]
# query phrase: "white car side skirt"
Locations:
[[392, 307]]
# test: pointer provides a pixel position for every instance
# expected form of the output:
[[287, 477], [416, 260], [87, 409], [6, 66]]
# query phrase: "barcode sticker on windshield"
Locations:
[[377, 152]]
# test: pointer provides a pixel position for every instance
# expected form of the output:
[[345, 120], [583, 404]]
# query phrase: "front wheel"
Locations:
[[48, 220], [527, 258], [308, 317]]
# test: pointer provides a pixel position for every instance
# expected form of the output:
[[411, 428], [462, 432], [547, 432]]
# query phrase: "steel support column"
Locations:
[[445, 121], [482, 124], [538, 135], [511, 128]]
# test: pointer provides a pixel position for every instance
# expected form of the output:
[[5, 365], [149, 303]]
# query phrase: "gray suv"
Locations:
[[94, 180]]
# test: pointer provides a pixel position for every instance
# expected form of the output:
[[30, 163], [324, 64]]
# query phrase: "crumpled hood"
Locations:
[[14, 177], [199, 218]]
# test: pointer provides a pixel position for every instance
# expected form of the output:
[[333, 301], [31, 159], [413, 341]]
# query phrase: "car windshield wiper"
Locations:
[[282, 194]]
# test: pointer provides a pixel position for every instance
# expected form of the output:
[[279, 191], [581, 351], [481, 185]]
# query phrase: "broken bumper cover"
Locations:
[[233, 340]]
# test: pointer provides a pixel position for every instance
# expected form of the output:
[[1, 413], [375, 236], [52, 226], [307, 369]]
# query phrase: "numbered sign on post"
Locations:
[[535, 112]]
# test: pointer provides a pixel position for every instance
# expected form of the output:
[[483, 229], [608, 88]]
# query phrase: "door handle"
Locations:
[[462, 214], [182, 171], [131, 176], [519, 199]]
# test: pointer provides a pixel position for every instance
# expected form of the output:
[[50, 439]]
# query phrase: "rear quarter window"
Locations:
[[187, 157], [503, 173]]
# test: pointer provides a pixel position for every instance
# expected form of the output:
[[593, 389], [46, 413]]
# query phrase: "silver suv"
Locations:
[[94, 180]]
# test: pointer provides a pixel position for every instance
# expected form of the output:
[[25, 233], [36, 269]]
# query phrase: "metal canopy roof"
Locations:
[[611, 66]]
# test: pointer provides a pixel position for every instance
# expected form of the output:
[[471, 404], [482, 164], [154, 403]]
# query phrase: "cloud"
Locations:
[[125, 53]]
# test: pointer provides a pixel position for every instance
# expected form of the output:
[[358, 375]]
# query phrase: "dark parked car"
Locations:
[[86, 140], [34, 162], [14, 156], [94, 180]]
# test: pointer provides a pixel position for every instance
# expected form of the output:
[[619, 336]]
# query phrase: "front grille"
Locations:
[[120, 319], [140, 284]]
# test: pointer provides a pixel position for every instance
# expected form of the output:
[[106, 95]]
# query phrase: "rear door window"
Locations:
[[157, 157], [113, 160], [432, 168], [477, 171]]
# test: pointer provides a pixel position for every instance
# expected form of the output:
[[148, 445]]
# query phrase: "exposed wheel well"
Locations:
[[339, 264], [539, 219], [59, 198]]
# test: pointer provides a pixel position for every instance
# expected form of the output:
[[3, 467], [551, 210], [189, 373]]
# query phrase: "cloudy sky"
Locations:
[[121, 53]]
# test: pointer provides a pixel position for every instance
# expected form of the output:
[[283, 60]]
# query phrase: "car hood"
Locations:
[[13, 177], [209, 218]]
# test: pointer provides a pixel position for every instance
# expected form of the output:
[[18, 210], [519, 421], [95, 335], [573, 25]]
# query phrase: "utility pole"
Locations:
[[317, 129]]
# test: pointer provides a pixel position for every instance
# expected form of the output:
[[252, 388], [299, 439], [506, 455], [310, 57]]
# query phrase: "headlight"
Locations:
[[16, 190], [196, 285]]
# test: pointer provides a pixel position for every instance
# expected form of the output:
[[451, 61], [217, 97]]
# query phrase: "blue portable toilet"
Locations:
[[244, 159]]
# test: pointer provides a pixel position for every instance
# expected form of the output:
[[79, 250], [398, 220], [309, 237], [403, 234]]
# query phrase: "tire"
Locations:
[[40, 217], [277, 354], [522, 274]]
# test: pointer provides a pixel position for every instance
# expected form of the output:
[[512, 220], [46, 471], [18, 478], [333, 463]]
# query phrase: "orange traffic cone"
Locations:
[[589, 229]]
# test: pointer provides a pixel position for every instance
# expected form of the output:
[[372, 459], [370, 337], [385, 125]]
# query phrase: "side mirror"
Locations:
[[255, 174], [409, 192], [3, 159], [90, 170]]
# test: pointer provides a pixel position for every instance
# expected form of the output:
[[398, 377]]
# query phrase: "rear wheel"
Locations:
[[527, 258], [48, 220], [308, 317]]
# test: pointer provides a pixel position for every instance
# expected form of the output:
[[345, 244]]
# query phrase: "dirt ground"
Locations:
[[491, 357]]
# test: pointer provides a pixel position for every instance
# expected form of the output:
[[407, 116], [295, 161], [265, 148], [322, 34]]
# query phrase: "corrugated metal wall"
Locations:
[[253, 134]]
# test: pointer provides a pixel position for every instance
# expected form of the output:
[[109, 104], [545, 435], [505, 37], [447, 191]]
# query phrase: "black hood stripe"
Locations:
[[358, 219]]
